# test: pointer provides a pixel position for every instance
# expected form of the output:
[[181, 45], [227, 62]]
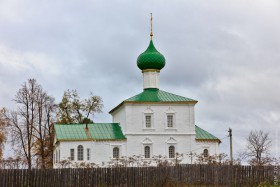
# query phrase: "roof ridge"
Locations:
[[162, 91]]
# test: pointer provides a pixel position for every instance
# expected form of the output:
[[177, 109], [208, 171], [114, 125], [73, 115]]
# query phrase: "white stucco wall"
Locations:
[[213, 147], [120, 117], [133, 117], [159, 137], [101, 152], [159, 144]]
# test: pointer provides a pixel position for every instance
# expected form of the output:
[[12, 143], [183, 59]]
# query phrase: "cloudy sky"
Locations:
[[225, 54]]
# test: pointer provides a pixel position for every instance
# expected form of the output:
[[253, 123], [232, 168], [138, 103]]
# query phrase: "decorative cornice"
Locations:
[[90, 139], [158, 134], [162, 102], [150, 70], [208, 140]]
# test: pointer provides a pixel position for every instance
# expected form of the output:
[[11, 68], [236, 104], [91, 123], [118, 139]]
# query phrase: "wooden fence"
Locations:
[[182, 175]]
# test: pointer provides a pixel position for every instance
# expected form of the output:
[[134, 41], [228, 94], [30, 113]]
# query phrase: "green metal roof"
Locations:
[[96, 131], [202, 134], [151, 58], [156, 95]]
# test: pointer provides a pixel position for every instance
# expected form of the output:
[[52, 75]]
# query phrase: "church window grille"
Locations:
[[147, 151], [171, 151], [116, 152], [205, 152], [88, 154], [169, 121], [80, 152], [148, 121], [56, 156], [72, 154]]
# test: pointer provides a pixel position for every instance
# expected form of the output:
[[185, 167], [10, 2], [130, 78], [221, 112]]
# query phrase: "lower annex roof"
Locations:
[[95, 131], [203, 135]]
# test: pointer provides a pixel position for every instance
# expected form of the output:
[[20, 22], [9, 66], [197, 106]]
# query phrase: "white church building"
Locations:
[[151, 123]]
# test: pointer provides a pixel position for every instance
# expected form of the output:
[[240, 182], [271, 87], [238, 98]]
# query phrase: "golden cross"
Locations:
[[151, 34]]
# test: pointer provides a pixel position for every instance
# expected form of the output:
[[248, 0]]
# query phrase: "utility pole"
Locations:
[[230, 140]]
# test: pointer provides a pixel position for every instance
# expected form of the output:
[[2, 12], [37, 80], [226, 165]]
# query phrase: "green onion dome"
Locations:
[[151, 59]]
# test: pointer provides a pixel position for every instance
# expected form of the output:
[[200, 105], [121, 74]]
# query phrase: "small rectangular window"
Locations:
[[72, 154], [56, 156], [88, 154], [169, 120], [148, 121]]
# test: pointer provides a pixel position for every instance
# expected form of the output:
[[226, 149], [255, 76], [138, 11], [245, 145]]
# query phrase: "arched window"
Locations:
[[116, 152], [147, 152], [205, 152], [171, 151], [80, 152]]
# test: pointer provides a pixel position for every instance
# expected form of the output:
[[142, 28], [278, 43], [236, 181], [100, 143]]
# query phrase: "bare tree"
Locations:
[[258, 146], [31, 124], [22, 121], [3, 122], [44, 129]]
